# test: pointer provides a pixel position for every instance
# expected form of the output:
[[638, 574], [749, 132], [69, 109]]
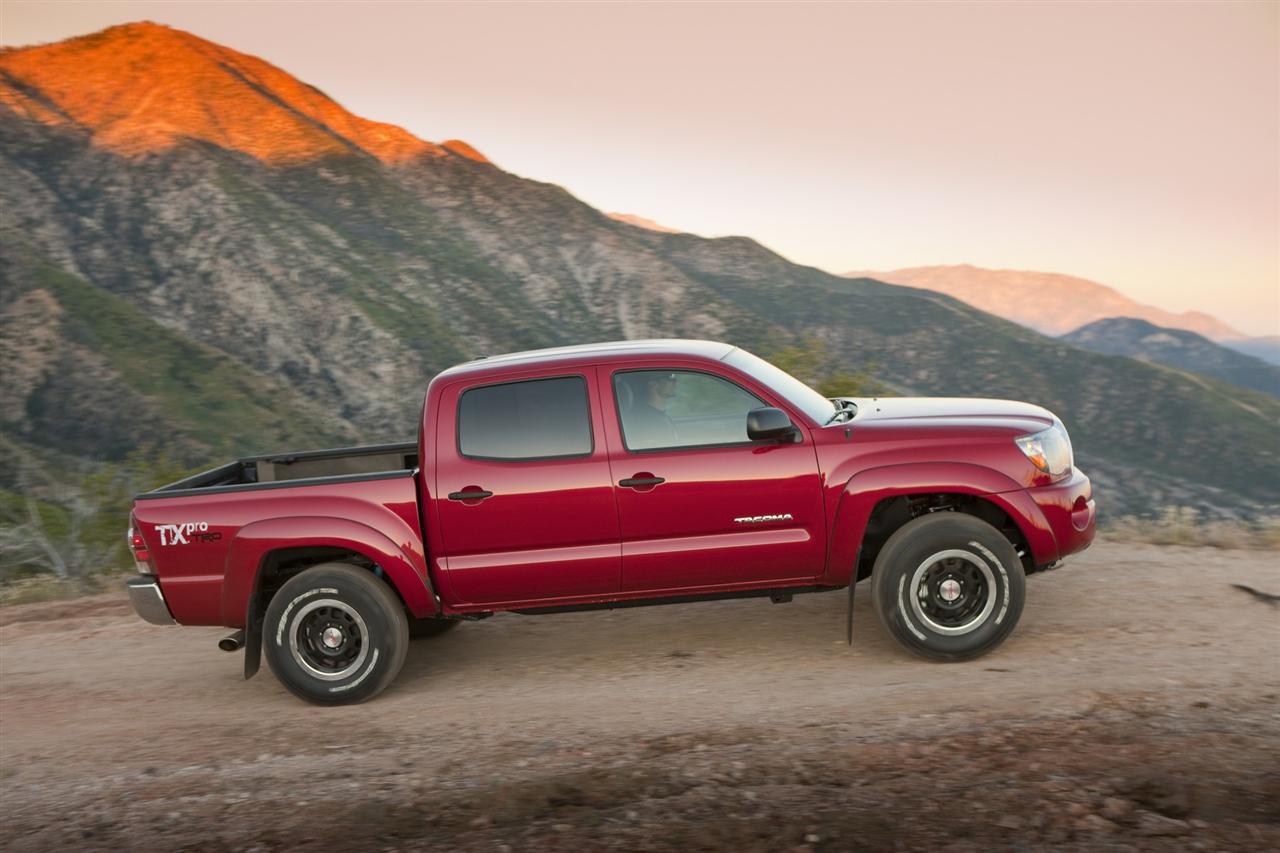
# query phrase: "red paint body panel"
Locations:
[[682, 533], [550, 528], [563, 532], [402, 562], [208, 581], [1068, 511]]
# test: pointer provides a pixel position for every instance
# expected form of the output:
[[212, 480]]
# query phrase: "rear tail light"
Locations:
[[141, 555]]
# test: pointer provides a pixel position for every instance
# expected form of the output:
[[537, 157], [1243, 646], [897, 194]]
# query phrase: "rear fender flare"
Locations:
[[254, 542], [867, 488]]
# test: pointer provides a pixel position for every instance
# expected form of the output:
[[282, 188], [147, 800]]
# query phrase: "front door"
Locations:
[[700, 505], [526, 503]]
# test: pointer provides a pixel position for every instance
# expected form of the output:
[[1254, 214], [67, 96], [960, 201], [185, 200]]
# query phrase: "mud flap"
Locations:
[[853, 582], [253, 637]]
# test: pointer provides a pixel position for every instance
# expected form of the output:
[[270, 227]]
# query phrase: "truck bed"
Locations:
[[277, 470]]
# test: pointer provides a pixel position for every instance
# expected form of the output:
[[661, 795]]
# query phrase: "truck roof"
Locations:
[[594, 353]]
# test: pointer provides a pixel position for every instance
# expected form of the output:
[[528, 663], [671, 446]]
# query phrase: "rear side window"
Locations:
[[537, 419]]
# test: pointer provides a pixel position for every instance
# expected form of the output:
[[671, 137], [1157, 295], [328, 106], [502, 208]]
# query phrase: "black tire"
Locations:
[[945, 554], [431, 627], [366, 618]]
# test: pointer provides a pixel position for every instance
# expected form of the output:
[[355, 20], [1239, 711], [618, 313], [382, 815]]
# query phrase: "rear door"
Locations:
[[701, 507], [526, 502]]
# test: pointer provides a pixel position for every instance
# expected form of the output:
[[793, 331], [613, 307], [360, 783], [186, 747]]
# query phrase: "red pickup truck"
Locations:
[[614, 475]]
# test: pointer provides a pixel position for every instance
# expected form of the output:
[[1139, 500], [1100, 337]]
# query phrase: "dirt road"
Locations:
[[1134, 708]]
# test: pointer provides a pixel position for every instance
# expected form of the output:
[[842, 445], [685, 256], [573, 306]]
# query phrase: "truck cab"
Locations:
[[613, 475]]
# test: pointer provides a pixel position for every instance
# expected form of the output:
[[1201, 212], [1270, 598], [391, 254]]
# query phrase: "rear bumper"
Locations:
[[148, 600], [1069, 512]]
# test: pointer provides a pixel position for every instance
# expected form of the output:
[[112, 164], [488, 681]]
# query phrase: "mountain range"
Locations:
[[202, 252], [1266, 348], [1179, 349], [1048, 302]]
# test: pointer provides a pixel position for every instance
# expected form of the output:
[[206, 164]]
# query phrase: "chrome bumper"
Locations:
[[148, 600]]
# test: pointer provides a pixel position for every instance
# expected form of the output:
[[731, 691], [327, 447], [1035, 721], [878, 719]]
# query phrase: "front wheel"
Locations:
[[335, 635], [948, 586]]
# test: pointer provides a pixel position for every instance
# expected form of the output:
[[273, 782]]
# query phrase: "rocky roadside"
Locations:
[[1133, 774]]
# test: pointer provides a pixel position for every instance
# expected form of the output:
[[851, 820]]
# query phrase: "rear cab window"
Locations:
[[524, 420]]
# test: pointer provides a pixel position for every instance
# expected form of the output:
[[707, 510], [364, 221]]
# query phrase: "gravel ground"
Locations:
[[1135, 708]]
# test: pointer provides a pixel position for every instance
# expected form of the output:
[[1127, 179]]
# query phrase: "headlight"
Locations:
[[1049, 450]]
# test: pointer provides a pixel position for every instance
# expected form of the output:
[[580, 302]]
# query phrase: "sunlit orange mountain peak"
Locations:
[[1051, 303], [144, 87], [641, 222]]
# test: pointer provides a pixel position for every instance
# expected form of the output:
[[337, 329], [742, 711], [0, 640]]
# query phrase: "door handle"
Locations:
[[639, 482], [470, 495]]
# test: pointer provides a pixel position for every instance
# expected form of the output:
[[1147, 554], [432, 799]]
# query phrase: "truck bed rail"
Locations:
[[291, 469]]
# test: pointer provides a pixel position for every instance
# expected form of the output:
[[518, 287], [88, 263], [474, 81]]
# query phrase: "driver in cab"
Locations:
[[645, 398]]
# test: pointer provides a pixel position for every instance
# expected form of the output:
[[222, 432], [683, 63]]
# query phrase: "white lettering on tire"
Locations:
[[902, 608], [373, 661], [1004, 575]]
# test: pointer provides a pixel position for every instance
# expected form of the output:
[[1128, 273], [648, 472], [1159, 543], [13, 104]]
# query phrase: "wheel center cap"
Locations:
[[949, 589], [331, 637]]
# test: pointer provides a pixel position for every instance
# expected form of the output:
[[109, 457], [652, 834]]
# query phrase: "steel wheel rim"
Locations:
[[312, 631], [949, 570]]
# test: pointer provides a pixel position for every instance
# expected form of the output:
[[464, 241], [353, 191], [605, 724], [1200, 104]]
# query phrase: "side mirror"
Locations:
[[769, 425]]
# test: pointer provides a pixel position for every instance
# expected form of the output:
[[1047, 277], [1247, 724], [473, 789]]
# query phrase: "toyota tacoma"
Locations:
[[615, 475]]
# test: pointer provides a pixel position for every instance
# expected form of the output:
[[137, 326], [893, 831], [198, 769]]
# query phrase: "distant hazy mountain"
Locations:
[[198, 249], [1266, 348], [1047, 302], [641, 222], [1177, 348]]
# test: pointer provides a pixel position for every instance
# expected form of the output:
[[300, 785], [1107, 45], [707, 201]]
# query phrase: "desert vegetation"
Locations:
[[1181, 525], [62, 535], [811, 362]]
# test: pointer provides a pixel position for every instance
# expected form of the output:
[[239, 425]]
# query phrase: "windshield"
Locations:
[[804, 398]]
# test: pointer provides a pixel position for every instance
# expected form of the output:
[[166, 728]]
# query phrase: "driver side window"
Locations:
[[680, 408]]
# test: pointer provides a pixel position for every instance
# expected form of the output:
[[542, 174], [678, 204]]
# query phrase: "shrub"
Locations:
[[1182, 525], [69, 531], [813, 365]]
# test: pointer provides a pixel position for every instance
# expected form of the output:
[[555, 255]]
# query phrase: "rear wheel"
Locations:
[[335, 635], [948, 586]]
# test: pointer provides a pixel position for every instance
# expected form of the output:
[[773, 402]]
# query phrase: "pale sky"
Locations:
[[1136, 145]]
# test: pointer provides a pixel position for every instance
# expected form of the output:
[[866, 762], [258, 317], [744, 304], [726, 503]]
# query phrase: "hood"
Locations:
[[912, 430], [950, 413]]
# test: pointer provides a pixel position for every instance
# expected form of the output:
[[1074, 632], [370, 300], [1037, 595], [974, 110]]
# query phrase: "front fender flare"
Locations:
[[867, 488]]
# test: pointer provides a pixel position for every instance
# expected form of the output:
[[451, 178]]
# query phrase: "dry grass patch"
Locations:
[[1181, 525]]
